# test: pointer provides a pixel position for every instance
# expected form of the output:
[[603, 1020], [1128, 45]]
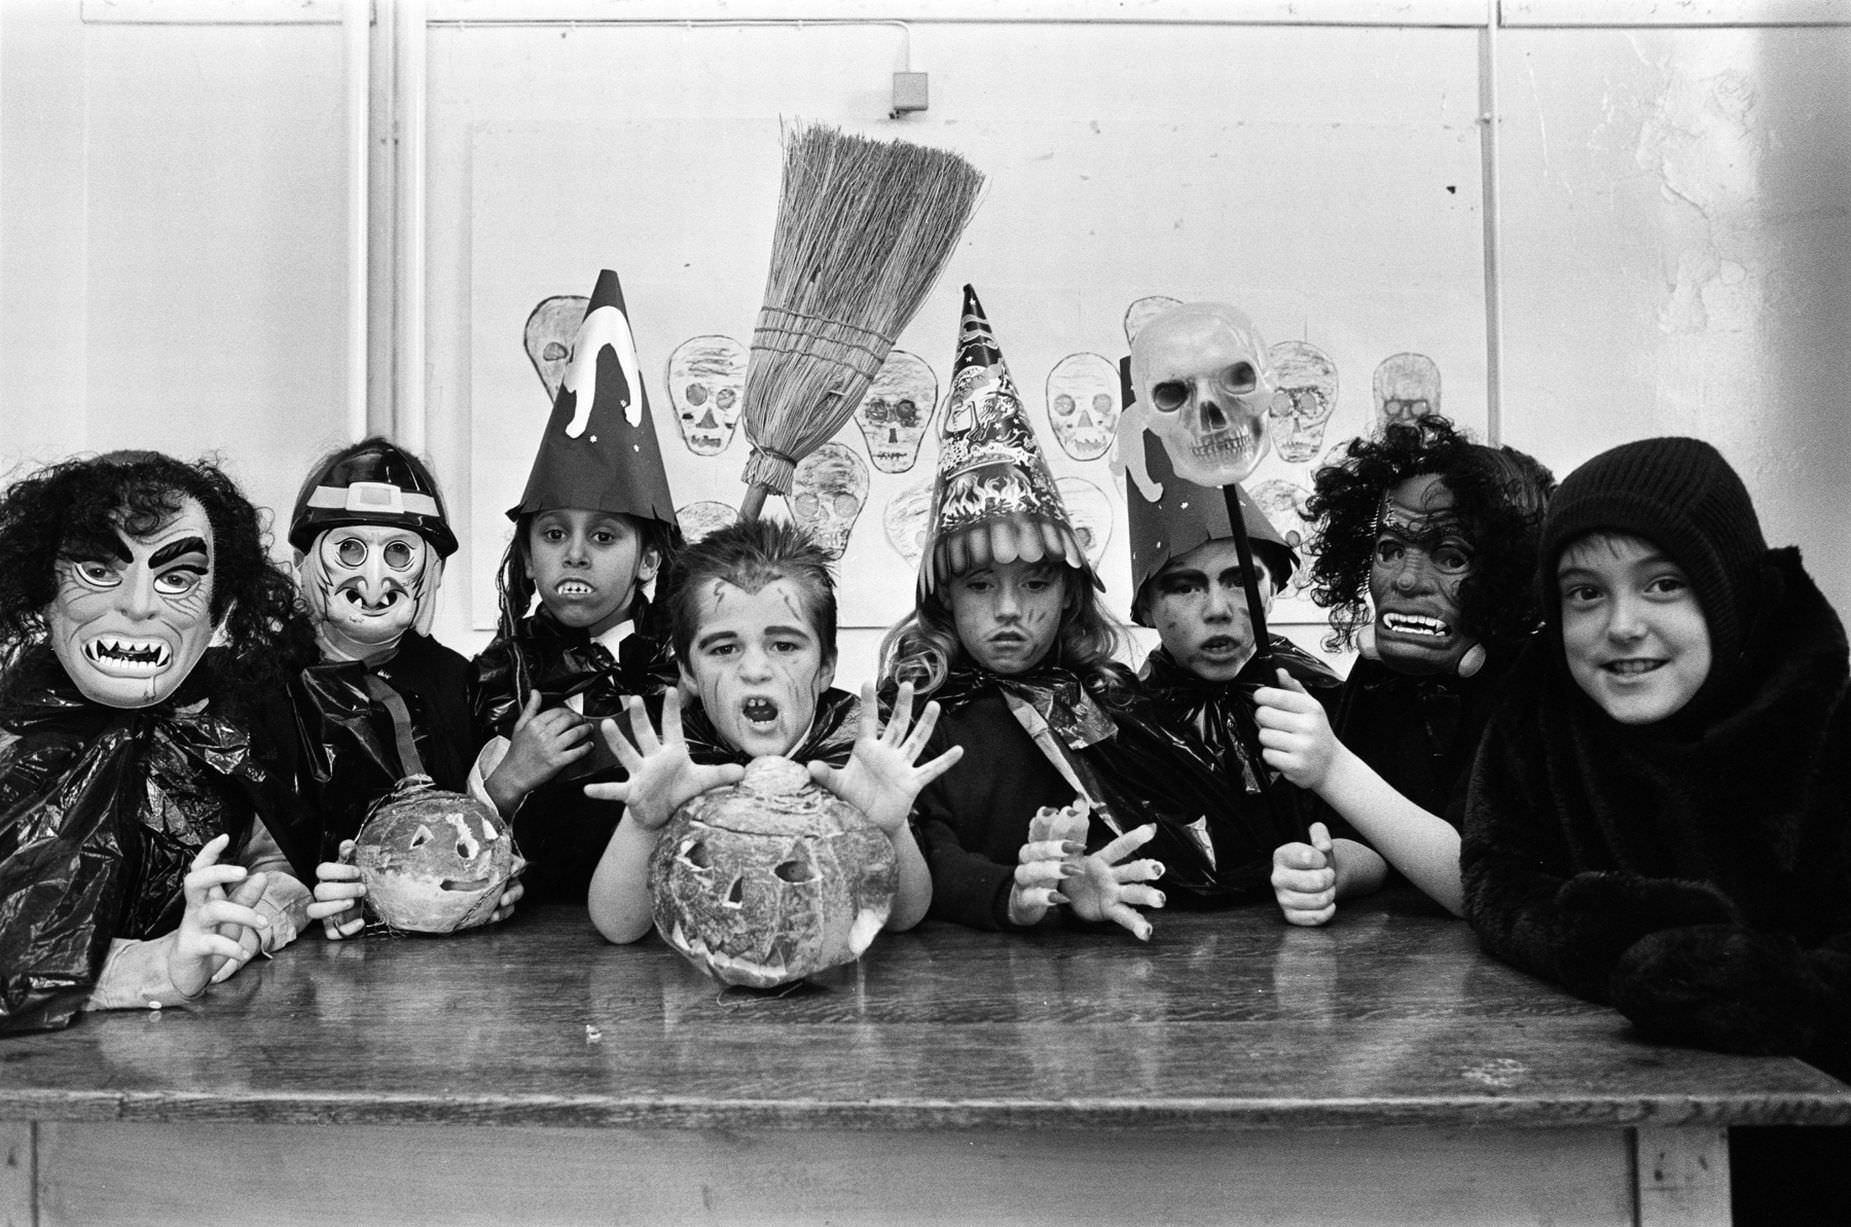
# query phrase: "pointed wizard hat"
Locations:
[[994, 500], [1186, 516], [599, 452]]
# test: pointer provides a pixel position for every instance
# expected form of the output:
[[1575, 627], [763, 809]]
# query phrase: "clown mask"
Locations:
[[367, 584], [130, 626]]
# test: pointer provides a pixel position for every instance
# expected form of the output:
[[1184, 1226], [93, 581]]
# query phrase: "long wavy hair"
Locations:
[[1499, 495], [923, 647], [75, 508], [514, 576]]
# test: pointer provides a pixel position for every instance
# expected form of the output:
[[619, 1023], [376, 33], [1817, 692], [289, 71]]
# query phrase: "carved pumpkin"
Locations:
[[433, 861], [771, 879]]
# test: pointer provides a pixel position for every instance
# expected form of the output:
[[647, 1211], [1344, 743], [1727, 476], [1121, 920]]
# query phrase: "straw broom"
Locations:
[[864, 227]]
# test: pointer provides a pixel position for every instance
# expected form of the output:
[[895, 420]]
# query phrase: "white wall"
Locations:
[[1658, 234]]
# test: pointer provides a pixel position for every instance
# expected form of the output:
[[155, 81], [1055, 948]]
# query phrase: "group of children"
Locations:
[[1605, 723]]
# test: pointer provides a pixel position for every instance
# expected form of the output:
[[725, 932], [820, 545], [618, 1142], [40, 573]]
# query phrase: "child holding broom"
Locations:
[[1011, 638], [593, 527], [753, 611]]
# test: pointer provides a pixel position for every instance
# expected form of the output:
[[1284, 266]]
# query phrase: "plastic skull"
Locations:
[[706, 384], [1306, 396], [549, 334], [898, 408], [1083, 404], [1407, 386], [1205, 388], [827, 494]]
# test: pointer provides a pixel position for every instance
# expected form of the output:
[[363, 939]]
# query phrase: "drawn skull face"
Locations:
[[1142, 311], [698, 520], [706, 384], [1205, 382], [1283, 503], [893, 416], [1306, 397], [827, 495], [1407, 386], [1090, 512], [550, 331], [1083, 404], [907, 518]]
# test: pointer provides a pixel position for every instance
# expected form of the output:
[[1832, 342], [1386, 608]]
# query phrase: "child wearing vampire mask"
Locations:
[[386, 701], [1660, 816], [1437, 535], [128, 762], [1011, 637], [753, 609], [594, 525]]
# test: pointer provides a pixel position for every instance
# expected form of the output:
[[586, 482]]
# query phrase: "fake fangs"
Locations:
[[1415, 624], [128, 656], [572, 587]]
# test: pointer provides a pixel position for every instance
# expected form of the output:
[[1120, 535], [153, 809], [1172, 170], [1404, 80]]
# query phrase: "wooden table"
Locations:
[[1232, 1070]]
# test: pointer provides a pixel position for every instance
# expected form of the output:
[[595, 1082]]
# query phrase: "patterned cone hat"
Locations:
[[599, 452], [994, 500], [1185, 517]]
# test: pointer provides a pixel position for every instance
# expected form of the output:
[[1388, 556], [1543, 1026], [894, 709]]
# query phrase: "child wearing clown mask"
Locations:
[[370, 534], [753, 612], [1425, 545], [130, 757]]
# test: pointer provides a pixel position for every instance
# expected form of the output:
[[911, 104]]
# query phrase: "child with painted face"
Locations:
[[131, 756], [753, 611], [1437, 535], [593, 527], [1009, 635]]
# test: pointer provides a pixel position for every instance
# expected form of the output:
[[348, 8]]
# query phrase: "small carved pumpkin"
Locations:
[[433, 861], [770, 879]]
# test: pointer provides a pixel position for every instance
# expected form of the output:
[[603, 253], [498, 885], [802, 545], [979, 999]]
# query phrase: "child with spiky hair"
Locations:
[[1434, 537], [753, 612], [130, 756]]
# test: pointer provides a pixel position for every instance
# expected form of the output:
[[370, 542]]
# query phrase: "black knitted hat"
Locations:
[[1682, 496]]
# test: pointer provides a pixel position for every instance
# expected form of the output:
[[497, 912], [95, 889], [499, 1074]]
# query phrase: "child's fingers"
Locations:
[[608, 792], [671, 720], [1138, 871], [335, 871], [220, 946], [347, 850], [922, 732], [1051, 850], [825, 775], [1309, 917], [1043, 875], [1288, 682], [324, 909], [199, 884], [339, 892], [1299, 856], [868, 720], [209, 855], [222, 912], [529, 710], [1137, 894], [1320, 837], [1128, 919], [620, 746], [1127, 843], [927, 772]]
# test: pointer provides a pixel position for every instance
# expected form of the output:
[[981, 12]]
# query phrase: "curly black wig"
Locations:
[[74, 509], [1499, 495]]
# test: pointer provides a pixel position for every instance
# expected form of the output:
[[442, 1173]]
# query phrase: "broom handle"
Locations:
[[751, 504]]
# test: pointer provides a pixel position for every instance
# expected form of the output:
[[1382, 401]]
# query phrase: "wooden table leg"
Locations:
[[1683, 1177]]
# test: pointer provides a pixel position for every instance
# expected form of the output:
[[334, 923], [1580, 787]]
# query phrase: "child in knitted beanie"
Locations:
[[1658, 815]]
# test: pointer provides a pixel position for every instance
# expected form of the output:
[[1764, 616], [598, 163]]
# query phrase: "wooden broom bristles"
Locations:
[[864, 227]]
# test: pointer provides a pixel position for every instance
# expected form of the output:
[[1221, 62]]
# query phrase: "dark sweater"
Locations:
[[1696, 873]]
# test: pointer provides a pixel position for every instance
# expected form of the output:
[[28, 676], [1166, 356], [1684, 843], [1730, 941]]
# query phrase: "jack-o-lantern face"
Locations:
[[772, 879], [433, 861]]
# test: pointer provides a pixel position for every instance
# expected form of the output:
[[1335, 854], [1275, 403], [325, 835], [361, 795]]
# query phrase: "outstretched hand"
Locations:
[[1295, 734], [1050, 856], [1105, 889], [220, 908], [1305, 879], [661, 774], [880, 779]]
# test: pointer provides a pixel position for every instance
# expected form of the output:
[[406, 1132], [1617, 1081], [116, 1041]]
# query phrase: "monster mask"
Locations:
[[128, 626], [1205, 389]]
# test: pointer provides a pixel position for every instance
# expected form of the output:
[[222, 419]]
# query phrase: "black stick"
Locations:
[[1250, 584]]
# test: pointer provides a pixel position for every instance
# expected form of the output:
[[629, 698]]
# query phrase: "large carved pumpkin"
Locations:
[[433, 861], [771, 879]]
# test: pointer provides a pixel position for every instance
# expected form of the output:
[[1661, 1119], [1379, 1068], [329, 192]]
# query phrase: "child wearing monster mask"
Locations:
[[1437, 535], [386, 701], [1660, 817], [593, 527], [130, 756], [1011, 637], [753, 610]]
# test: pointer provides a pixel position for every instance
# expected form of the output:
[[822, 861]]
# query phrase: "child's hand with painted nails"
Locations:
[[1106, 889], [1051, 855]]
